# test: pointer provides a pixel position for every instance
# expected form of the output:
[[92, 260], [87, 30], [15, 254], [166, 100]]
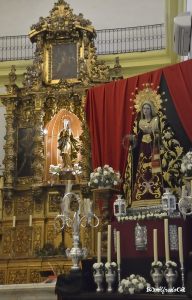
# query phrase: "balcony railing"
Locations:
[[108, 41]]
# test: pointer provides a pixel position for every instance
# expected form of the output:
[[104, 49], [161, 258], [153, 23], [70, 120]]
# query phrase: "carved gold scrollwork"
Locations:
[[7, 240], [86, 162], [87, 238], [38, 237], [25, 205], [10, 153], [34, 276], [37, 194], [2, 277], [18, 277], [38, 151], [54, 202], [22, 239], [50, 234], [8, 201]]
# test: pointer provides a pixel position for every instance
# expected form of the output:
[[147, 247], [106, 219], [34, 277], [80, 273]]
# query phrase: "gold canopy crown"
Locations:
[[147, 94]]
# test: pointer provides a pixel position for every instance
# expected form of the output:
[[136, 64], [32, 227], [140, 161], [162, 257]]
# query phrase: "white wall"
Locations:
[[16, 16], [2, 134]]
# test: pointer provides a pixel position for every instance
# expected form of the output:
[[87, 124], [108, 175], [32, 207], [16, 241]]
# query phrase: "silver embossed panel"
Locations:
[[173, 237]]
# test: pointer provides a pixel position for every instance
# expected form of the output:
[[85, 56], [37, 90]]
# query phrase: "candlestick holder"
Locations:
[[182, 274], [119, 274], [110, 277], [157, 276], [12, 253], [170, 277], [98, 278], [29, 253], [76, 253]]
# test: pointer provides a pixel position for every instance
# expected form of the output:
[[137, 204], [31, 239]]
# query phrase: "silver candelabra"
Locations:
[[76, 253]]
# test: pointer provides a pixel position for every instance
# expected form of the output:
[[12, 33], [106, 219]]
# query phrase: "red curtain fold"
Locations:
[[110, 118], [179, 81]]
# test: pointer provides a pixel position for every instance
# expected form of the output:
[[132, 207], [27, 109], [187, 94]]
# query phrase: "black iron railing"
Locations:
[[108, 41], [130, 39]]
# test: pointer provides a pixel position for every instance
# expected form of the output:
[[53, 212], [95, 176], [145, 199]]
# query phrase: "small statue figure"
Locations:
[[68, 145]]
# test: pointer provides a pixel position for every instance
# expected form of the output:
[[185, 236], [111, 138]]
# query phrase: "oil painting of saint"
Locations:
[[64, 61]]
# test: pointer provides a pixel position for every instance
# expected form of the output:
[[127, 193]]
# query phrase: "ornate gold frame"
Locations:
[[48, 64]]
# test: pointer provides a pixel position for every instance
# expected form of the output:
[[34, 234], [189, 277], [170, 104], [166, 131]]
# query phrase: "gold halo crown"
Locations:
[[147, 94]]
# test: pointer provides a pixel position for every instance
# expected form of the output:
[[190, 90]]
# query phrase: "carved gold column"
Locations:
[[106, 195], [38, 164], [10, 154]]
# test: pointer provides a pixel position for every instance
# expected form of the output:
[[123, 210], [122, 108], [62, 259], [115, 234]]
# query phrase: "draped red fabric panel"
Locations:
[[110, 118], [179, 81]]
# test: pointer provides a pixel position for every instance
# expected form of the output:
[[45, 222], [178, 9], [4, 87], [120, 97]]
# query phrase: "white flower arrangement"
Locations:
[[143, 216], [77, 171], [170, 264], [54, 170], [104, 177], [186, 165], [111, 265], [98, 266], [157, 265], [133, 284]]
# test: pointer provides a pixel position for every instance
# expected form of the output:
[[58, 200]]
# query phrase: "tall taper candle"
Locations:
[[155, 245], [14, 220], [109, 244], [118, 248], [99, 247], [30, 220], [166, 233], [180, 239]]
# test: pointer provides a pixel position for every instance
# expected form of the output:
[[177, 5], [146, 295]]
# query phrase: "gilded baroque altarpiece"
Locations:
[[65, 66]]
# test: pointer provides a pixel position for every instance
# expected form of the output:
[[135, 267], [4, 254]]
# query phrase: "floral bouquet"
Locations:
[[105, 177], [170, 264], [54, 170], [157, 265], [77, 171], [98, 266], [133, 284], [111, 265], [186, 165]]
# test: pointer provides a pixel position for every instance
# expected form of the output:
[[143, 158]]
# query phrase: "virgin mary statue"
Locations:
[[145, 173]]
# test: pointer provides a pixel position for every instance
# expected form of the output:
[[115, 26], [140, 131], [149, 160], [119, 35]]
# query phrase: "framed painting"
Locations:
[[61, 62], [25, 149], [64, 61]]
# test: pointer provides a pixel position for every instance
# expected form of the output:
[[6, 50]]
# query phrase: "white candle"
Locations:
[[14, 220], [109, 244], [155, 245], [99, 247], [166, 233], [30, 220], [118, 248], [180, 239], [183, 191]]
